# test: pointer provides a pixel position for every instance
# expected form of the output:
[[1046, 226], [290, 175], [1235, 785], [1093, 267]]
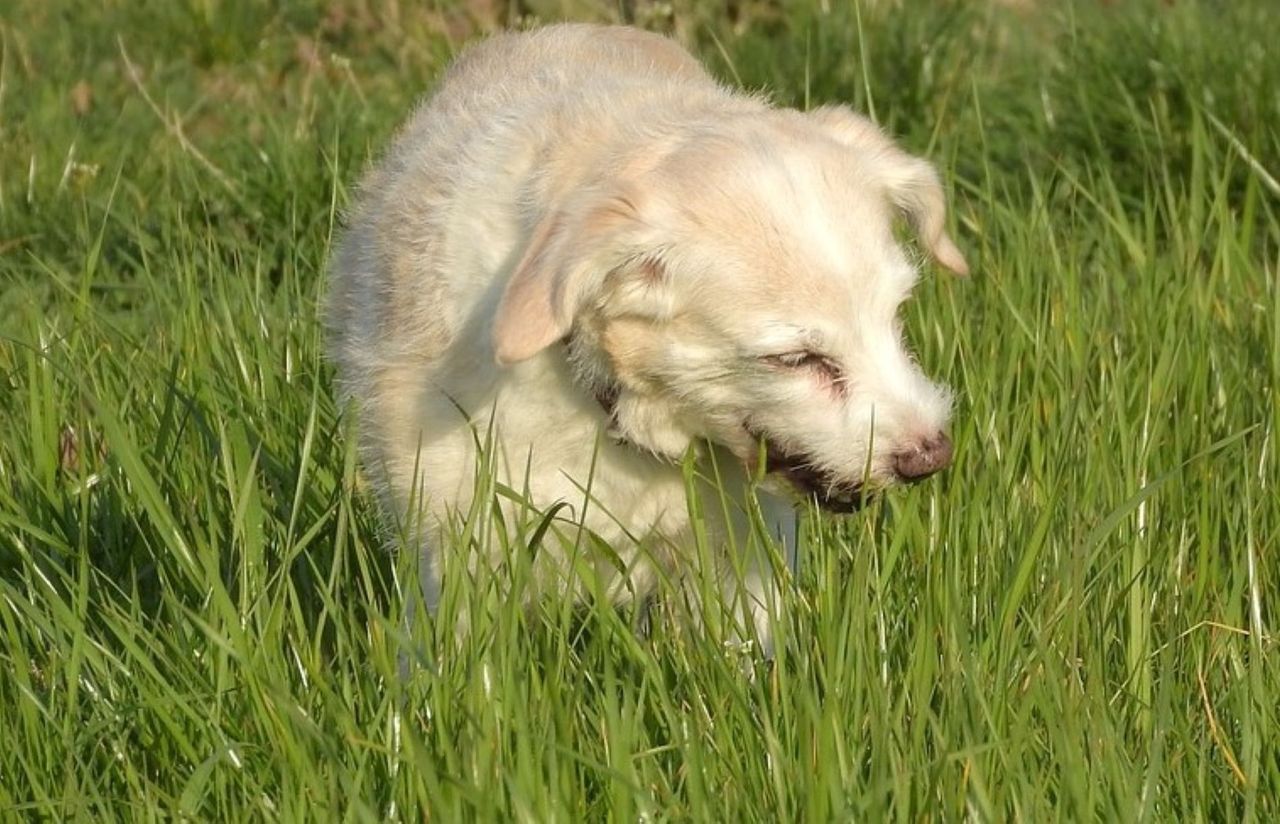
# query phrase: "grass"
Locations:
[[1077, 621]]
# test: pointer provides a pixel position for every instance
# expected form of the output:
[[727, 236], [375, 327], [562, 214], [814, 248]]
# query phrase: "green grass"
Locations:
[[1076, 621]]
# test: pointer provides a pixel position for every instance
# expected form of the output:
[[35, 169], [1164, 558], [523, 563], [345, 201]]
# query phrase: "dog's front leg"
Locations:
[[770, 566], [750, 567]]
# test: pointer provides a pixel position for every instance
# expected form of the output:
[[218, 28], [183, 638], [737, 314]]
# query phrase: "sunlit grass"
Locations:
[[1075, 621]]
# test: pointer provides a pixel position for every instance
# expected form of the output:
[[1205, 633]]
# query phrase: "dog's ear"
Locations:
[[912, 184], [915, 189], [568, 252]]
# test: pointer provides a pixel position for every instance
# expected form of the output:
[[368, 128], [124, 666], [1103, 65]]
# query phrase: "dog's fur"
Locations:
[[581, 233]]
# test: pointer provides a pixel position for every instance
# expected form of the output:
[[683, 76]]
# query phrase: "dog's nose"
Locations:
[[923, 459]]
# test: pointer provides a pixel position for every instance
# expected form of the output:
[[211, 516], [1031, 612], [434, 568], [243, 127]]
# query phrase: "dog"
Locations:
[[584, 264]]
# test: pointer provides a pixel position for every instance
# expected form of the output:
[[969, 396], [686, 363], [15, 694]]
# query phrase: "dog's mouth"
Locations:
[[799, 471]]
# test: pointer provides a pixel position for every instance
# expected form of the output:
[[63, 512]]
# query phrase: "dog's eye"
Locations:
[[793, 360], [804, 360], [826, 370]]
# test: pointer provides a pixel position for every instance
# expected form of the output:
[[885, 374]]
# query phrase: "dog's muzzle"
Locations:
[[834, 495]]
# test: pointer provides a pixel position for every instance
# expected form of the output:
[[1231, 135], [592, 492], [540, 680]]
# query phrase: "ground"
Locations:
[[198, 617]]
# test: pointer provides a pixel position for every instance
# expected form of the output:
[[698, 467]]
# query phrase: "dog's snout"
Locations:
[[923, 459]]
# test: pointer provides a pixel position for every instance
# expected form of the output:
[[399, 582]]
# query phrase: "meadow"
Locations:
[[1077, 621]]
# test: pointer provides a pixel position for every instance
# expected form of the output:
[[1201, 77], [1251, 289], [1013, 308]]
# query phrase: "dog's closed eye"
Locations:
[[822, 366]]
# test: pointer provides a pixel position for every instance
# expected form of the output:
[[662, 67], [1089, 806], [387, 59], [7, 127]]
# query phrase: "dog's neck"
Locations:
[[607, 397], [595, 381], [592, 374]]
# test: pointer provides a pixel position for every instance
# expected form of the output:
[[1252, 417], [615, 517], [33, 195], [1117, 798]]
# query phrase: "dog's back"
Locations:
[[481, 134]]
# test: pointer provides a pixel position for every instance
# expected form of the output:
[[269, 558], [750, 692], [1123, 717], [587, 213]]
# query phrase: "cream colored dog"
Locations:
[[586, 253]]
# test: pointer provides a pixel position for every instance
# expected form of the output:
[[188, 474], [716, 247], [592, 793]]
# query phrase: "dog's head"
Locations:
[[744, 288]]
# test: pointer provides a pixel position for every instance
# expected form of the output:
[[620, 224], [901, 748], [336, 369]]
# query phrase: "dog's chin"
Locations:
[[830, 494]]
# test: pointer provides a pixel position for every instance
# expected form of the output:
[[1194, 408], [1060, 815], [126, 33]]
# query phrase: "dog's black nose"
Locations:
[[923, 459]]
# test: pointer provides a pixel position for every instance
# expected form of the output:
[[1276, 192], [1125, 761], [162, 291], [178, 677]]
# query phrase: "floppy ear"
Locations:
[[912, 184], [568, 252], [915, 189]]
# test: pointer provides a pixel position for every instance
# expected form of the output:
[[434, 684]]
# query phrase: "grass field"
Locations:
[[1077, 621]]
